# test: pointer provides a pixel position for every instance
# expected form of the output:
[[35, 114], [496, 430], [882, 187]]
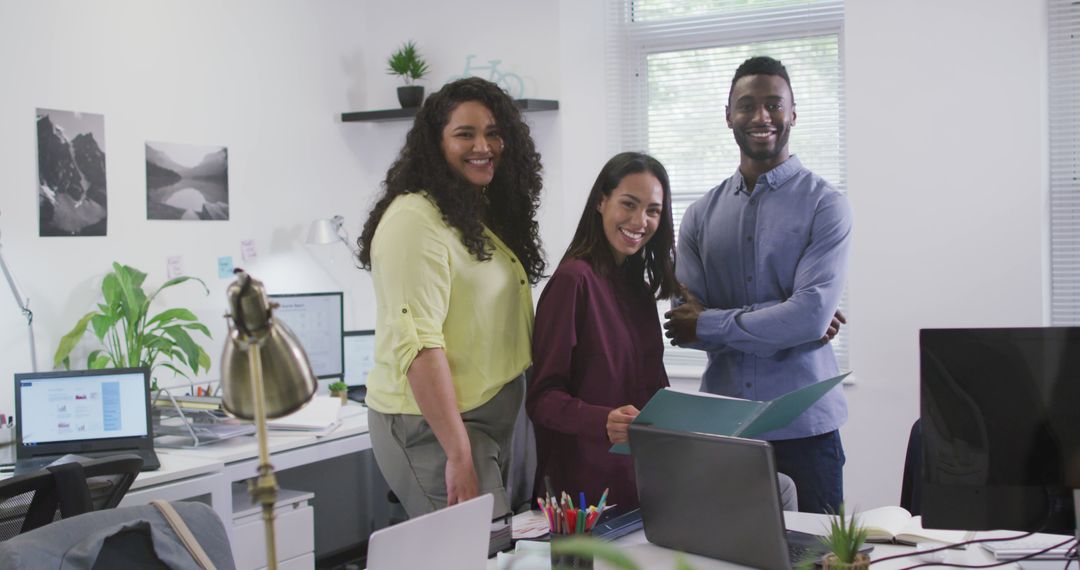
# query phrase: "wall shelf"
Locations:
[[527, 105]]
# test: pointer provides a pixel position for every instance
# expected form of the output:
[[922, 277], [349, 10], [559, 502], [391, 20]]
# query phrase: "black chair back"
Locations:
[[35, 499]]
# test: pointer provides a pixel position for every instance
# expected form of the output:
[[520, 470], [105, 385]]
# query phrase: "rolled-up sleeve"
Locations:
[[411, 274]]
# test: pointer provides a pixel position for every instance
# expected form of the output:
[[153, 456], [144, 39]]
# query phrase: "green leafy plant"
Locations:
[[338, 387], [845, 537], [131, 337], [407, 62]]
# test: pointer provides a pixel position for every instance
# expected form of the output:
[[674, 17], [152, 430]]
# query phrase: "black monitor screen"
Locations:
[[317, 319], [1001, 428]]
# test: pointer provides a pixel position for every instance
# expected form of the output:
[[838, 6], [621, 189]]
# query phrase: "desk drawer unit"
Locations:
[[294, 527]]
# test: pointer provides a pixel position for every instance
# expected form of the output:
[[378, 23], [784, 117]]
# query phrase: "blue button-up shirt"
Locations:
[[770, 267]]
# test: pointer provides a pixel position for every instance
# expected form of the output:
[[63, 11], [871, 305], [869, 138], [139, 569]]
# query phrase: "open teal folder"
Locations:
[[717, 415]]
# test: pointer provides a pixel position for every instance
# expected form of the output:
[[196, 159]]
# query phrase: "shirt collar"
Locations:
[[774, 178]]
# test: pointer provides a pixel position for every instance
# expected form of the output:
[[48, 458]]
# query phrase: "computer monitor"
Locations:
[[317, 319], [359, 356], [1000, 417]]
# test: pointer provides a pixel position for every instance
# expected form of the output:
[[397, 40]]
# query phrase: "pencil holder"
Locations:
[[569, 560]]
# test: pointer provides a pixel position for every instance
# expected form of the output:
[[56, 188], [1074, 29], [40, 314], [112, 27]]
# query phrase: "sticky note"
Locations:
[[174, 266], [225, 267], [247, 250]]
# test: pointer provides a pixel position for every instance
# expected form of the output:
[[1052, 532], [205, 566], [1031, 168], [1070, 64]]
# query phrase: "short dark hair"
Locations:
[[760, 65], [652, 269]]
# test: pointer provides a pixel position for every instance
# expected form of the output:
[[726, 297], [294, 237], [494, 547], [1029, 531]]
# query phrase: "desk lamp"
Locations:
[[24, 306], [264, 374], [329, 230]]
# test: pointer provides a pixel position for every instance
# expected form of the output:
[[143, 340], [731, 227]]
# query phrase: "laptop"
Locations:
[[454, 538], [359, 348], [90, 413], [715, 496]]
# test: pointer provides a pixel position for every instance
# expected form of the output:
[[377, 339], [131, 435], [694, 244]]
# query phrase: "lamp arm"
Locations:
[[343, 235], [24, 306], [24, 303]]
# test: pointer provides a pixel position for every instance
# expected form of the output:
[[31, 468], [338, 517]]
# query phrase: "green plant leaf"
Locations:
[[174, 369], [204, 360], [69, 340], [199, 327], [407, 63], [187, 345], [102, 360], [170, 315], [101, 325], [177, 281], [132, 298]]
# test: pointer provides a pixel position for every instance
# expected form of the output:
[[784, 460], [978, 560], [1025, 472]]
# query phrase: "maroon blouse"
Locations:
[[597, 345]]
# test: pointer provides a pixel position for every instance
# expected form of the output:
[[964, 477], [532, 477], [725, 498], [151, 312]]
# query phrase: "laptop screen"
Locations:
[[81, 405], [359, 356]]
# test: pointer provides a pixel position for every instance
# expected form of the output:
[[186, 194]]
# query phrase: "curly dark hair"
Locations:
[[653, 268], [508, 205]]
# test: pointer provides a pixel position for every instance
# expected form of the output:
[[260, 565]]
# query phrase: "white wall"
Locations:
[[947, 160], [946, 123], [266, 79]]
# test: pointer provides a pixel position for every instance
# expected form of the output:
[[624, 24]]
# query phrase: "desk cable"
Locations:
[[1070, 556]]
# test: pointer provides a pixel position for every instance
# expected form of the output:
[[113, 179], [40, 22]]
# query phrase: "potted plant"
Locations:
[[844, 540], [131, 336], [408, 63], [341, 390]]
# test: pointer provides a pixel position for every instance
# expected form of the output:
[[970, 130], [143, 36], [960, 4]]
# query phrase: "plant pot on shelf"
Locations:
[[410, 96], [830, 561]]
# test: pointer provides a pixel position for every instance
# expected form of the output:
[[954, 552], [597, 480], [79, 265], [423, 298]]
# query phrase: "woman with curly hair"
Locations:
[[453, 248]]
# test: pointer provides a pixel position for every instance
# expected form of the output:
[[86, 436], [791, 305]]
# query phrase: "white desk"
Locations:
[[650, 556], [208, 472]]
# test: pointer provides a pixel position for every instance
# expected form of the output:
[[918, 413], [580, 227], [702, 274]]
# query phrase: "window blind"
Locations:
[[669, 71], [1064, 107]]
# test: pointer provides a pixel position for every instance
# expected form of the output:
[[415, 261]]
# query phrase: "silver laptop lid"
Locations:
[[710, 495], [454, 538], [82, 411]]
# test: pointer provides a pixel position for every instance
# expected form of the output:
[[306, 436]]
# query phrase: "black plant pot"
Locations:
[[410, 96]]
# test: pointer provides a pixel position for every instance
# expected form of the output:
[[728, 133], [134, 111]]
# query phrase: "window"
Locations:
[[670, 68], [1064, 107]]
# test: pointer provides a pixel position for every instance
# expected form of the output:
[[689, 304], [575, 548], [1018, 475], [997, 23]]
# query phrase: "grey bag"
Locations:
[[140, 536]]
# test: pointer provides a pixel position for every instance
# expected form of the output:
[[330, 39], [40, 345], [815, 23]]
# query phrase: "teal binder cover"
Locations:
[[717, 415]]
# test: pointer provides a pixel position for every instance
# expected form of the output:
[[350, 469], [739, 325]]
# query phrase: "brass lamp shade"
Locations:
[[288, 382]]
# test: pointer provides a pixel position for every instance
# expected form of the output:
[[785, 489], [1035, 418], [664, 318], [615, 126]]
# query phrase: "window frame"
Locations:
[[629, 43]]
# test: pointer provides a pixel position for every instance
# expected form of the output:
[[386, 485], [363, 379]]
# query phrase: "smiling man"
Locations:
[[764, 258]]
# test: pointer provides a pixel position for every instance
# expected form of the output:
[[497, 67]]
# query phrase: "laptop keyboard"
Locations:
[[800, 553]]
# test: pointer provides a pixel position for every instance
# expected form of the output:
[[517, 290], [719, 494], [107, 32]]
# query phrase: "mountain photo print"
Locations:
[[186, 182], [71, 174]]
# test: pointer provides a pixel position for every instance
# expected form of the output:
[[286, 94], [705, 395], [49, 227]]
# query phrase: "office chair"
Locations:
[[910, 492], [62, 491]]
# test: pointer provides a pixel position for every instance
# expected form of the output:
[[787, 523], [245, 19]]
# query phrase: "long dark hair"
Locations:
[[652, 269], [512, 197]]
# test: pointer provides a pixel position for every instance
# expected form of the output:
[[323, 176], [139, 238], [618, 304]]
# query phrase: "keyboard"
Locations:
[[1010, 549], [622, 525]]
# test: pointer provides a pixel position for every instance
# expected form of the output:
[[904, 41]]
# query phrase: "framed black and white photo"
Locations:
[[71, 174], [186, 182]]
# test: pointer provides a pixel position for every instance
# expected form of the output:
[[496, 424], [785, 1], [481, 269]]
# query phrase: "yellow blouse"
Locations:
[[431, 292]]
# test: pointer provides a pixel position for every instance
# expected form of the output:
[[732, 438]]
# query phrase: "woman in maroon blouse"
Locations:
[[597, 344]]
